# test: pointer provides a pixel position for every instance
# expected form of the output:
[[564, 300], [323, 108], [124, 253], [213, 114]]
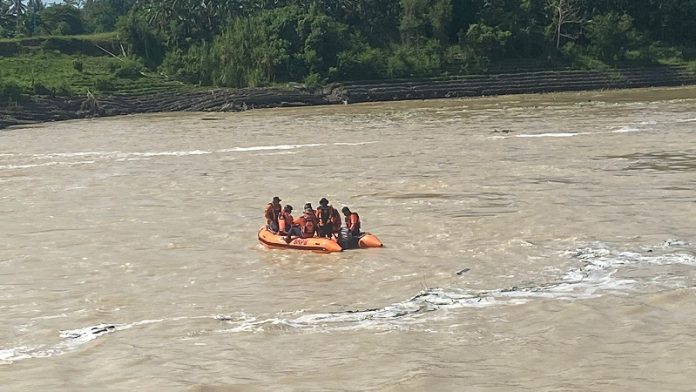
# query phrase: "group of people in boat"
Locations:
[[325, 221]]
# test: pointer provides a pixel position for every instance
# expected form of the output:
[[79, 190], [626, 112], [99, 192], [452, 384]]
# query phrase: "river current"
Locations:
[[532, 243]]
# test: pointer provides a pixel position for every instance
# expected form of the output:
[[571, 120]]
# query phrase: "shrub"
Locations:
[[362, 63], [9, 48], [105, 84], [63, 90], [10, 91], [194, 66], [691, 67], [129, 69], [77, 65], [611, 35], [313, 81], [659, 51], [142, 39], [590, 63], [249, 53], [421, 60], [39, 88], [64, 45], [113, 65], [484, 40], [463, 60]]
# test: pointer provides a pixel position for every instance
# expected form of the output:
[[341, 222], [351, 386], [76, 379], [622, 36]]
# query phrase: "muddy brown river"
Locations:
[[532, 243]]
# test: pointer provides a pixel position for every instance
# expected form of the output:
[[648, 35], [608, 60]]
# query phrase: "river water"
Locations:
[[533, 243]]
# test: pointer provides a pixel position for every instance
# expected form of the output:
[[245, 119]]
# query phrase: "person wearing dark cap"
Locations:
[[325, 215], [272, 213], [352, 221], [287, 226], [307, 222]]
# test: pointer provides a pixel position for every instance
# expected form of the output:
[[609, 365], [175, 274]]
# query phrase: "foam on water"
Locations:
[[557, 134], [72, 339], [266, 148], [120, 156], [354, 144], [626, 129], [538, 135], [54, 163], [594, 277]]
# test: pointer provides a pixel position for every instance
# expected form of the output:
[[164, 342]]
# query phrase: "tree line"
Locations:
[[27, 18], [242, 43]]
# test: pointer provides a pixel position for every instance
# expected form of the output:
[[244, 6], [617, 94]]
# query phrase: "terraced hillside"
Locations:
[[171, 98], [517, 83]]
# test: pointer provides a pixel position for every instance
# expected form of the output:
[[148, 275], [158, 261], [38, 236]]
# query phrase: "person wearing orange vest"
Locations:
[[272, 213], [336, 221], [325, 216], [307, 222], [286, 224], [352, 221]]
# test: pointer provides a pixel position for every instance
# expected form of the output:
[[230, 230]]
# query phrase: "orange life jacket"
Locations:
[[353, 222], [308, 224], [285, 222], [272, 212], [324, 215], [336, 221]]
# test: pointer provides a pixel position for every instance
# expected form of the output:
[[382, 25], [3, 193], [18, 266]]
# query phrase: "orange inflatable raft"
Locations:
[[316, 244]]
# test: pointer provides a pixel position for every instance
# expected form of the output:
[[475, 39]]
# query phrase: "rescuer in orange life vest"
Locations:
[[327, 215], [272, 213], [352, 221], [307, 222], [287, 226], [336, 221]]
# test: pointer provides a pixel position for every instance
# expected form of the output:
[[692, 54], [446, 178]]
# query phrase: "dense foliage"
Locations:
[[258, 42]]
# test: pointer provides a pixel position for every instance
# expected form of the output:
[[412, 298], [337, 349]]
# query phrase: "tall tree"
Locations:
[[6, 18], [413, 20], [611, 35], [102, 15], [33, 8], [74, 3], [440, 15], [564, 13], [62, 19], [18, 9]]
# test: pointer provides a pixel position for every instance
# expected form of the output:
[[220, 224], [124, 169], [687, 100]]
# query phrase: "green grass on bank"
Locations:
[[58, 74], [69, 66], [29, 41], [88, 45]]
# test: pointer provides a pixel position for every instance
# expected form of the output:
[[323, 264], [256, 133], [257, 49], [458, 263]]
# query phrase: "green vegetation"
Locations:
[[57, 74], [72, 47]]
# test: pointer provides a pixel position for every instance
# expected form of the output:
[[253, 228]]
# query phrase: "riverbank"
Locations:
[[44, 108]]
